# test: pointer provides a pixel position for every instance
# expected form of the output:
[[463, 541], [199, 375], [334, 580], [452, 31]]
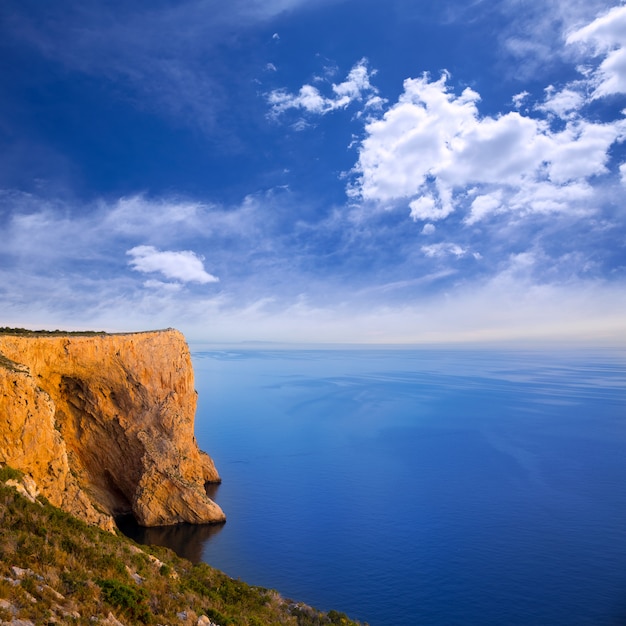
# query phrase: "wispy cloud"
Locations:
[[285, 291], [534, 36], [437, 250], [158, 57]]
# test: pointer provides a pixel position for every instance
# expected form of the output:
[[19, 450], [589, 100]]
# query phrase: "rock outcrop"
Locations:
[[104, 425]]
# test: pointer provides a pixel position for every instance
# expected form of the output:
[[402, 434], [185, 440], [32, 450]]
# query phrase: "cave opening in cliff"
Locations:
[[119, 503]]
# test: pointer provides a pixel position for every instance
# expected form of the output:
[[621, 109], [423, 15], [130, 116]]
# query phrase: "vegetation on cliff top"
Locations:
[[55, 569], [28, 332], [5, 330]]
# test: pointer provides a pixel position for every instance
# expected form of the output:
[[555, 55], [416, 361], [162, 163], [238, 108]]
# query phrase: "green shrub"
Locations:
[[165, 570], [216, 616], [8, 473], [131, 600], [336, 617]]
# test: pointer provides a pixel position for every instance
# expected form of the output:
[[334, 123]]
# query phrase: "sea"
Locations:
[[410, 487]]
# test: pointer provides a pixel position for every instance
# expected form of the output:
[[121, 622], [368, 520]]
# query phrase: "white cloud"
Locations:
[[581, 150], [564, 103], [428, 229], [622, 171], [411, 141], [519, 99], [606, 36], [356, 84], [427, 208], [438, 250], [310, 99], [137, 214], [484, 205], [544, 197], [605, 32], [162, 286], [184, 266]]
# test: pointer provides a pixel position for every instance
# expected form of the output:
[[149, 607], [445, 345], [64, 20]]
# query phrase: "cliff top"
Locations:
[[26, 332]]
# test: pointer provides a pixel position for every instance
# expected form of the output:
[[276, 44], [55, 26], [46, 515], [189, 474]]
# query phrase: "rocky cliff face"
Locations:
[[104, 425]]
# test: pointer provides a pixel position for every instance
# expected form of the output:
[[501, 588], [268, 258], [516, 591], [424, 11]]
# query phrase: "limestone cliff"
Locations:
[[104, 425]]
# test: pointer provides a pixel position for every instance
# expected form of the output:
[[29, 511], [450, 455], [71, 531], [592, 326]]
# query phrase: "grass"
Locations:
[[73, 573]]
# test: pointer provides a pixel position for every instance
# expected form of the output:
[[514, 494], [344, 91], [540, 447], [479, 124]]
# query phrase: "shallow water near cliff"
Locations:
[[410, 487]]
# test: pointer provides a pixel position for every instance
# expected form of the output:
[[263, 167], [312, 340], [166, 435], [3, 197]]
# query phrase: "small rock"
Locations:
[[7, 606], [111, 620], [30, 597], [53, 592], [18, 572], [135, 576], [157, 562], [26, 488]]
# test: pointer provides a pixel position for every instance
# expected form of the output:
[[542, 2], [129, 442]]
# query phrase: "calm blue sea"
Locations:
[[410, 487]]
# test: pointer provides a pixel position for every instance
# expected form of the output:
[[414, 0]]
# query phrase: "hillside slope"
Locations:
[[56, 569]]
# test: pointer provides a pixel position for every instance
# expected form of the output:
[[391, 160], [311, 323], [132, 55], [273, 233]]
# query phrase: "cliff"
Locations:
[[104, 425]]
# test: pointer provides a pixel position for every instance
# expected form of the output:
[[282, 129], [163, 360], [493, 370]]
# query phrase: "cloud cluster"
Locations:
[[433, 151]]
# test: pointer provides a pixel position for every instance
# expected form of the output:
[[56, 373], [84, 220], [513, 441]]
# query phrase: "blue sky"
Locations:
[[316, 171]]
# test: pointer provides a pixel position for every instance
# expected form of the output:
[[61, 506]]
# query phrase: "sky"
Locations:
[[316, 171]]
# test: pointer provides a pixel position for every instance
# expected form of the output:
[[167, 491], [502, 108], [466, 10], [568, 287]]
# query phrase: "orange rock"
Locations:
[[104, 425]]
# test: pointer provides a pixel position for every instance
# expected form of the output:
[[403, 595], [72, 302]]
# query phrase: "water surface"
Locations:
[[410, 487]]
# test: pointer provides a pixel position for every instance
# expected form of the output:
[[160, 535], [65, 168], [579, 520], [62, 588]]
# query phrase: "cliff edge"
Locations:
[[104, 425]]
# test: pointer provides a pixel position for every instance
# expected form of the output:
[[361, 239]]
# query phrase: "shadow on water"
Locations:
[[187, 540], [211, 490]]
